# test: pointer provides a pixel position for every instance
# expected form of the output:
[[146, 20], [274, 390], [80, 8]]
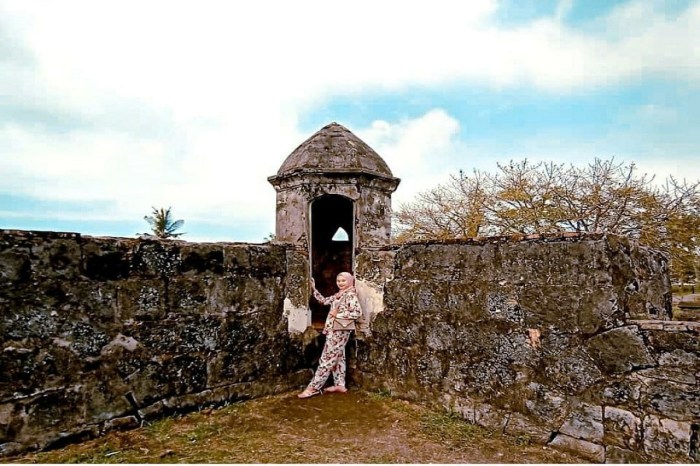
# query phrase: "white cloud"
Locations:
[[419, 151], [194, 105]]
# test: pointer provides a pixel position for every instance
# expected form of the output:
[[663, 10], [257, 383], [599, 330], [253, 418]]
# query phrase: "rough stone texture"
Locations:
[[663, 438], [619, 351], [100, 333], [585, 423], [542, 337], [334, 148], [591, 451], [622, 428], [616, 455]]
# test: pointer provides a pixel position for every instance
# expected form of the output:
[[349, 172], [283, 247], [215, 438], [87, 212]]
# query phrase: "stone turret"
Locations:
[[334, 162], [333, 203]]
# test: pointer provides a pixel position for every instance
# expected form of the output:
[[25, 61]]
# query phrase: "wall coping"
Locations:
[[667, 325]]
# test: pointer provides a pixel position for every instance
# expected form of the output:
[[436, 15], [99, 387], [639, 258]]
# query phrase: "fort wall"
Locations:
[[104, 333], [563, 340]]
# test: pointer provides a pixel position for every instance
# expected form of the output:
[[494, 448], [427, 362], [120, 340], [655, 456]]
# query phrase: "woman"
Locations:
[[344, 305]]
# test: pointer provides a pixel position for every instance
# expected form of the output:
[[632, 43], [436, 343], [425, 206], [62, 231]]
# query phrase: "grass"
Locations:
[[380, 394], [450, 427], [358, 427]]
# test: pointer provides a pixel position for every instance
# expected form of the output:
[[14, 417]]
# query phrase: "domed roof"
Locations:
[[334, 149]]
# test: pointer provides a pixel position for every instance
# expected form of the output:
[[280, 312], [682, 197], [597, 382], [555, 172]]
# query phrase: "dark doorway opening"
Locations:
[[332, 240]]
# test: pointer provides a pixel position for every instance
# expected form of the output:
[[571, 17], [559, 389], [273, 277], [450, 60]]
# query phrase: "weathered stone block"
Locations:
[[121, 423], [546, 405], [374, 266], [267, 260], [27, 321], [175, 336], [586, 423], [570, 371], [588, 450], [12, 418], [625, 392], [673, 400], [488, 416], [52, 412], [157, 259], [599, 309], [15, 268], [680, 375], [666, 342], [202, 259], [104, 260], [188, 296], [619, 350], [622, 428], [93, 300], [466, 303], [440, 336], [12, 448], [142, 300], [105, 396], [429, 370], [57, 258], [236, 258], [679, 357], [517, 424], [617, 455], [27, 371], [595, 308], [666, 439], [84, 339], [504, 307], [245, 295], [147, 385]]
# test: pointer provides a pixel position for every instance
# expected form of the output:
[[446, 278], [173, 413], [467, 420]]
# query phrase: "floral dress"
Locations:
[[333, 357]]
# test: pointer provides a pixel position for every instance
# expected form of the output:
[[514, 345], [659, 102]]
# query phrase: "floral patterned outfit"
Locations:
[[333, 356]]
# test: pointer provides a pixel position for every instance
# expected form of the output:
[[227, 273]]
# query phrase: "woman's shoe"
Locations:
[[336, 389], [309, 393]]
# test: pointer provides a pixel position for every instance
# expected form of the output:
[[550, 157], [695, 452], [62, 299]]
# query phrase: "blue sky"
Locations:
[[109, 108]]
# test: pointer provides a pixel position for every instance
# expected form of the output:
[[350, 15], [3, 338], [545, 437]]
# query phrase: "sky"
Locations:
[[110, 108]]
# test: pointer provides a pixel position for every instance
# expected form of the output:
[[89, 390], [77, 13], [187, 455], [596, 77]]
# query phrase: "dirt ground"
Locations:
[[356, 427]]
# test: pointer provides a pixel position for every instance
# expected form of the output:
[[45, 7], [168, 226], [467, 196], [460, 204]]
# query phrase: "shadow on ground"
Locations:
[[357, 427]]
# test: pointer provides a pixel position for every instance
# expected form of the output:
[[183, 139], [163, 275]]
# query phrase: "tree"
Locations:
[[521, 197], [162, 224], [451, 211], [675, 209]]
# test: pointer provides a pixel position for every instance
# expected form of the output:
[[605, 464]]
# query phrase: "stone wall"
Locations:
[[103, 333], [565, 340]]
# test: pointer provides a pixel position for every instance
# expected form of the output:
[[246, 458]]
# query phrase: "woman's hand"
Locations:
[[312, 283]]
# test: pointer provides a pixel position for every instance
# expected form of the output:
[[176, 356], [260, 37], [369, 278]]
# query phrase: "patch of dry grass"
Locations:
[[357, 427]]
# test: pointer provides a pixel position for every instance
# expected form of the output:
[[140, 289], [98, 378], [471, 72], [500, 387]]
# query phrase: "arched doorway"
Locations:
[[332, 243]]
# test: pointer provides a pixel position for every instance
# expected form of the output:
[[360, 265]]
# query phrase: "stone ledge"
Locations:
[[40, 233], [516, 238], [667, 325]]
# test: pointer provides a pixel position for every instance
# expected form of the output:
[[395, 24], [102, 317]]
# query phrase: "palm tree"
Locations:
[[162, 224]]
